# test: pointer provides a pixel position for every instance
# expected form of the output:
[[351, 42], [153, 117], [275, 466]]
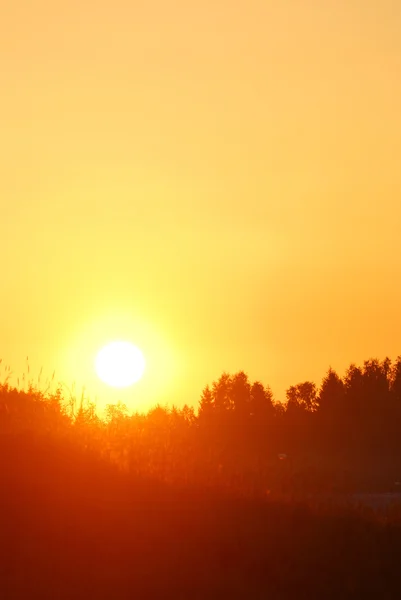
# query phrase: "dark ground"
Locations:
[[74, 528]]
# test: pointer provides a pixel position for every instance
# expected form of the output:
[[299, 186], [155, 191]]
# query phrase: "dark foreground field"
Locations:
[[73, 527]]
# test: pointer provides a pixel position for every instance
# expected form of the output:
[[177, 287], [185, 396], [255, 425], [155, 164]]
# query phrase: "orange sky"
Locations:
[[217, 181]]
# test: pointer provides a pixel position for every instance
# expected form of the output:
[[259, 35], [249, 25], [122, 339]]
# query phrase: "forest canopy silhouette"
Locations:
[[346, 424], [242, 496]]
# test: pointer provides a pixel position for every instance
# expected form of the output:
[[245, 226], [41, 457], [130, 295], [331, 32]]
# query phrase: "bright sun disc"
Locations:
[[120, 364]]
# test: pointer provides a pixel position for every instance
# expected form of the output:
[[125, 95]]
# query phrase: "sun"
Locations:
[[120, 364]]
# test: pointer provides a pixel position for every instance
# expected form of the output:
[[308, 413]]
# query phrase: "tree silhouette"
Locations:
[[261, 402], [206, 404], [331, 408], [330, 400], [395, 382], [302, 396], [221, 392], [240, 395]]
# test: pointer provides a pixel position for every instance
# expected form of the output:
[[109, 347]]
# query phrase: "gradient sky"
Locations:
[[218, 181]]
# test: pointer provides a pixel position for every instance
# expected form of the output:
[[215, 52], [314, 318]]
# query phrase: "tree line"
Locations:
[[340, 435]]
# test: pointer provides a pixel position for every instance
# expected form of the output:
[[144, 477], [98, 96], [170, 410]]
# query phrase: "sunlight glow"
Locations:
[[120, 364]]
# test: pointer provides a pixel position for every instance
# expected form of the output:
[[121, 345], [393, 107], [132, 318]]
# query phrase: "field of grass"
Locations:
[[75, 526]]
